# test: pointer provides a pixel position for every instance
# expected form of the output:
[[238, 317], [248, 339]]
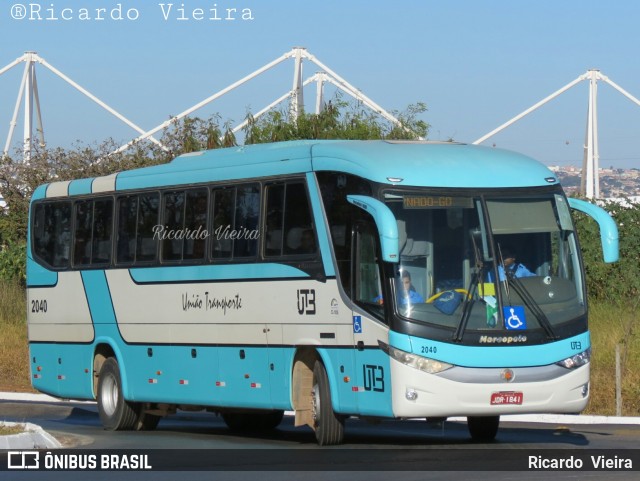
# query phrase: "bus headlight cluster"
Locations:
[[430, 366], [576, 361]]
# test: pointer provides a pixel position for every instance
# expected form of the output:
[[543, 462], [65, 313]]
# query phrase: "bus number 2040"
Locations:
[[38, 305]]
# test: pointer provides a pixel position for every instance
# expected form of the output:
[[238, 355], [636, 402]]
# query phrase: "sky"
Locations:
[[475, 64]]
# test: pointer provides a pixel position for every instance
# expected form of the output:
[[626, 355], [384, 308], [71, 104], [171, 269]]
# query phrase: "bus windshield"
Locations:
[[487, 262]]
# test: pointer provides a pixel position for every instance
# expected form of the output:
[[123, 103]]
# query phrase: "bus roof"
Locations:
[[428, 164]]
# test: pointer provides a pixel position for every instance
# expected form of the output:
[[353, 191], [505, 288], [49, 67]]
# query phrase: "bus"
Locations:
[[331, 279]]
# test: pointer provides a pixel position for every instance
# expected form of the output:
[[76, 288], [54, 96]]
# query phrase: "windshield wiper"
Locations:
[[471, 293], [468, 304]]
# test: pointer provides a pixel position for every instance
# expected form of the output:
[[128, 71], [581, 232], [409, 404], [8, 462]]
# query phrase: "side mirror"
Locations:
[[608, 227], [385, 222]]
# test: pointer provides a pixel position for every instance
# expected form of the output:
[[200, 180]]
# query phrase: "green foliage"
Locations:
[[13, 260], [193, 134], [620, 281], [338, 120]]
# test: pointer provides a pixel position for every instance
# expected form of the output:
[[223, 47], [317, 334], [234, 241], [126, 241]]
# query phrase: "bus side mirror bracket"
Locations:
[[608, 227], [385, 222]]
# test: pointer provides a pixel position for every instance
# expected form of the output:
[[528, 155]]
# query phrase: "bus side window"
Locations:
[[102, 227], [52, 233], [247, 218], [195, 222], [367, 288], [148, 213], [82, 233], [223, 205], [274, 221], [334, 188], [289, 225], [298, 227], [92, 232], [173, 223], [126, 230]]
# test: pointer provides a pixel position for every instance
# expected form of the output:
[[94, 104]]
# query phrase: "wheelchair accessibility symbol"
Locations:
[[357, 325], [514, 318]]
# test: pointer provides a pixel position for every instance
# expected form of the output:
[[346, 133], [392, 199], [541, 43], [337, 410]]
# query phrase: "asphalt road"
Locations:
[[411, 448]]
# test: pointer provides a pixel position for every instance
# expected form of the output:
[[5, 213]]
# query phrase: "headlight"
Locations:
[[577, 360], [424, 364]]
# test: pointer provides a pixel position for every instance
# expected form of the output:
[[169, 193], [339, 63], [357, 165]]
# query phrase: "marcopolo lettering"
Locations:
[[501, 339]]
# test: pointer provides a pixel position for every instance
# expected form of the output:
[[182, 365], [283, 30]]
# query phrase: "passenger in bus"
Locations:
[[305, 244], [409, 294], [510, 266]]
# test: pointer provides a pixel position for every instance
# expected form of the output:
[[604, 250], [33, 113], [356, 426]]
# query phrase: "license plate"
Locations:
[[506, 397]]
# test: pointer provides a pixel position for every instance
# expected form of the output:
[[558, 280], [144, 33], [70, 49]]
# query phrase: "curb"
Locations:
[[33, 437], [35, 397]]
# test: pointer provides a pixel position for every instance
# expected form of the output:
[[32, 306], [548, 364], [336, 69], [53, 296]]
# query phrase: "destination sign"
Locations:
[[436, 202]]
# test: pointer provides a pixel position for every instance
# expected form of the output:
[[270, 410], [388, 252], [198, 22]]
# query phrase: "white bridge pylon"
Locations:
[[590, 179], [29, 91], [296, 94]]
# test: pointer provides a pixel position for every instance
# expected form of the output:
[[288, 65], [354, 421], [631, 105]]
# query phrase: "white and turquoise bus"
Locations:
[[329, 278]]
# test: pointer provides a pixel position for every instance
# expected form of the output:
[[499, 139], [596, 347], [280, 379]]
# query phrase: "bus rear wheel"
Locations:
[[116, 413], [329, 426], [483, 428]]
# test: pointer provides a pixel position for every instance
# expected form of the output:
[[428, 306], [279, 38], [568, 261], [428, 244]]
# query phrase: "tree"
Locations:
[[338, 120], [620, 281]]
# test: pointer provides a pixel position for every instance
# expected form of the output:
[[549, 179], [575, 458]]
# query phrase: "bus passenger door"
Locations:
[[371, 363]]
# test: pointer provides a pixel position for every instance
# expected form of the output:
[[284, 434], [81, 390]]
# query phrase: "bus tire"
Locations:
[[116, 413], [483, 428], [329, 426], [146, 421]]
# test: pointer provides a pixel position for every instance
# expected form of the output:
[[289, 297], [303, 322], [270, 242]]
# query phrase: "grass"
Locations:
[[613, 325], [14, 351], [610, 324], [9, 430]]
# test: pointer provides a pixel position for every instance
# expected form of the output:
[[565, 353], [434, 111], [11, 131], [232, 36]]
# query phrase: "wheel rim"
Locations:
[[109, 395]]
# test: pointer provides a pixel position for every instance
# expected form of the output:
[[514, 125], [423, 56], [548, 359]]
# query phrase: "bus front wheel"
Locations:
[[329, 426], [115, 412], [483, 428]]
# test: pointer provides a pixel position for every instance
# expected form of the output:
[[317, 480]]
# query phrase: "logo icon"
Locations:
[[23, 460], [306, 301]]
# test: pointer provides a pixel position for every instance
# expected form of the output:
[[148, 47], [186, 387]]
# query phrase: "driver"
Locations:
[[511, 266]]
